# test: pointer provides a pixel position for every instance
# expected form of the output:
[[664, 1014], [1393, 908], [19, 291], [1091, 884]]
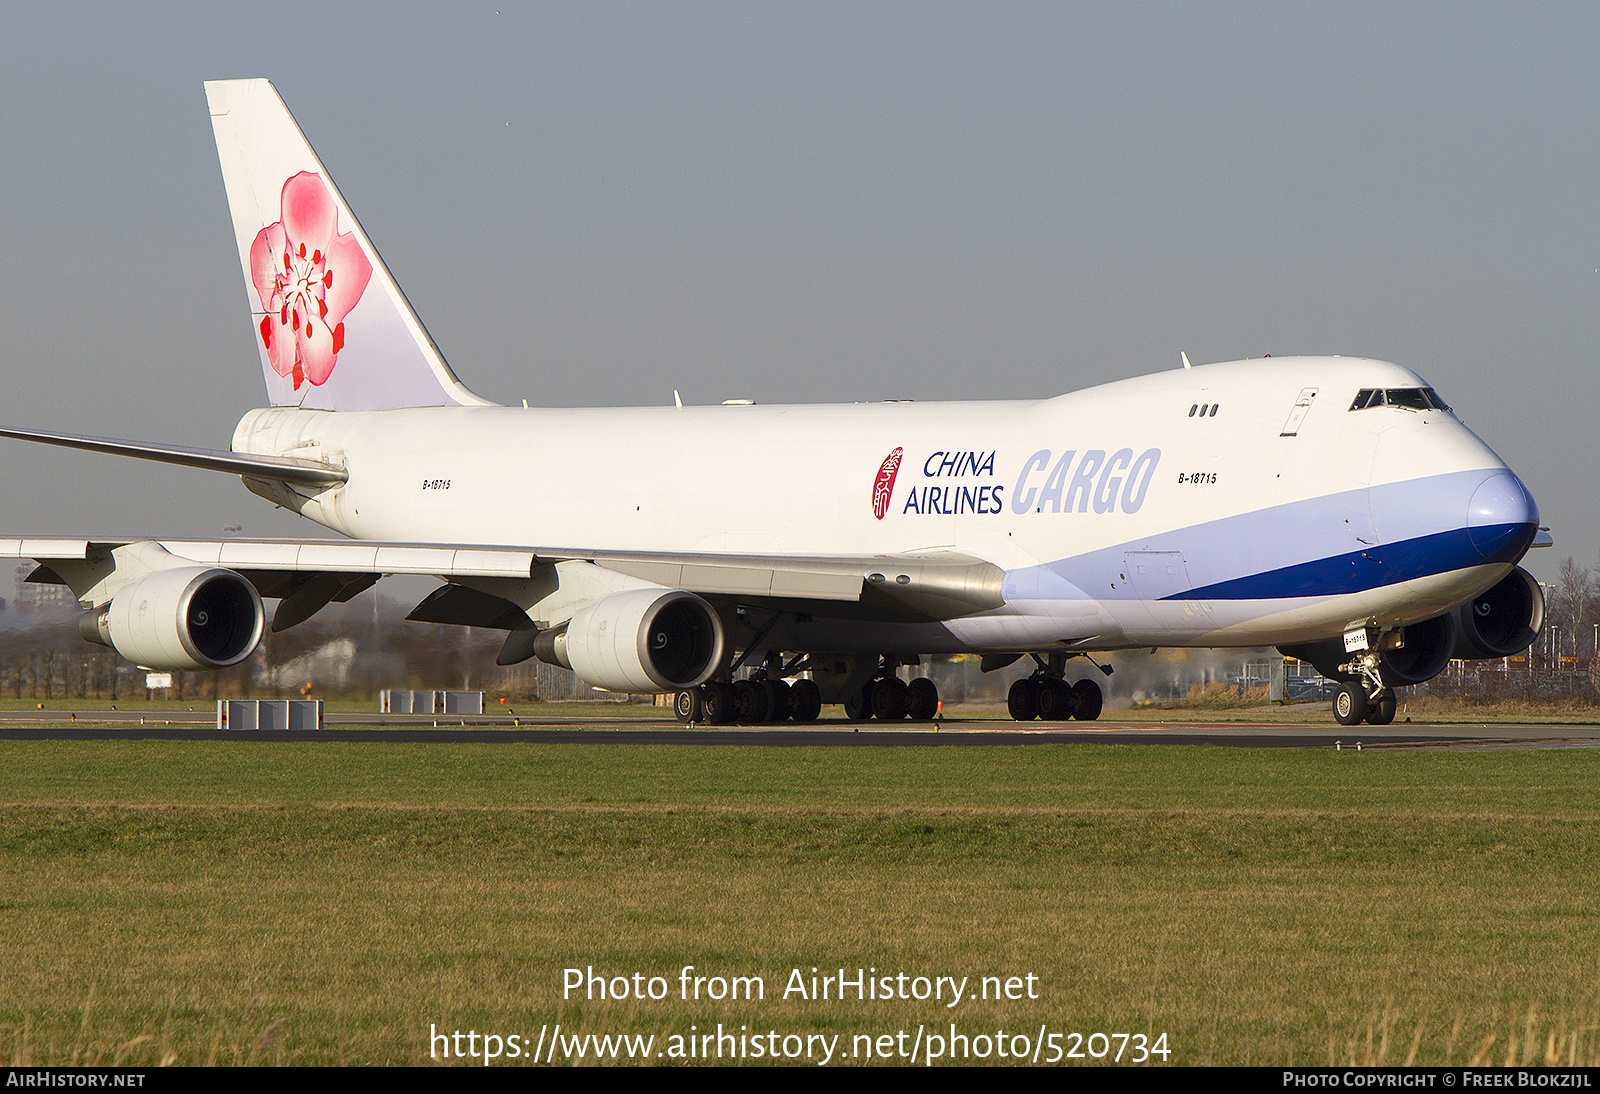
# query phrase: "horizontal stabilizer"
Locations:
[[273, 468]]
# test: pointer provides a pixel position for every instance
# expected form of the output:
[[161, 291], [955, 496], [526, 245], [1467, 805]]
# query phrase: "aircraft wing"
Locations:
[[925, 586]]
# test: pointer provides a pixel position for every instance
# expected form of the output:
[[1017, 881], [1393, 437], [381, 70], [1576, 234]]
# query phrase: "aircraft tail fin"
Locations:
[[332, 326]]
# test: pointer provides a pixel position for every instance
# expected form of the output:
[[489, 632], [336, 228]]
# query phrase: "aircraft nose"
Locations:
[[1502, 518]]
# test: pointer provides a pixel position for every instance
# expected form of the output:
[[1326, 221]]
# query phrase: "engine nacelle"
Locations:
[[639, 640], [1500, 621], [188, 617], [1424, 652], [1423, 656]]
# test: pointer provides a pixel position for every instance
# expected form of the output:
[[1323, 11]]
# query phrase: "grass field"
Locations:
[[197, 902]]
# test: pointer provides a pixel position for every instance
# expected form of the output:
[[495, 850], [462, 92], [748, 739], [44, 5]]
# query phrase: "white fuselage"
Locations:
[[1190, 507]]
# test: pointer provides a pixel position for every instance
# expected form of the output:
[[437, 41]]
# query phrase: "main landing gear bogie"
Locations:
[[891, 699], [768, 697], [749, 702], [1046, 694], [1054, 700]]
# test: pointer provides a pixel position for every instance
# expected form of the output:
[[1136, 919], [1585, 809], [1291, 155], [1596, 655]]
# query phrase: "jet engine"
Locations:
[[1502, 620], [640, 640], [187, 617], [1423, 656]]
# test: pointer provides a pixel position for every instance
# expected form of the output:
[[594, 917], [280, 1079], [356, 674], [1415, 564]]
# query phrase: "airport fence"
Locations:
[[357, 652]]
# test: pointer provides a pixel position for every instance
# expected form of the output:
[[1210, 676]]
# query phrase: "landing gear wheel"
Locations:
[[1023, 701], [805, 700], [1057, 701], [1350, 704], [777, 700], [1090, 700], [1380, 712], [858, 705], [750, 702], [689, 705], [889, 700], [922, 700], [719, 704]]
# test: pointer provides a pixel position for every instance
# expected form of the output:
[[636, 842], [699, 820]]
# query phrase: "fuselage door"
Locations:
[[1297, 413], [1156, 575]]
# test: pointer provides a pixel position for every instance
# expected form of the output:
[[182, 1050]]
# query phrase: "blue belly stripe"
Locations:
[[1377, 566]]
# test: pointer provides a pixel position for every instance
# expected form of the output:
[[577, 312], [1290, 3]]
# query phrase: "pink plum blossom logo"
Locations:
[[308, 277], [883, 485]]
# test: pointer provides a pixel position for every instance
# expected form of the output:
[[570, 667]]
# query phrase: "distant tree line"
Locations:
[[360, 648], [43, 657]]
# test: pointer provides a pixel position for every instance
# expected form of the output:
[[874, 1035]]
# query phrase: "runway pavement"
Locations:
[[64, 723]]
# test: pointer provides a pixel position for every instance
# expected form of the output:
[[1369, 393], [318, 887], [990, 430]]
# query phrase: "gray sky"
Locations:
[[592, 204]]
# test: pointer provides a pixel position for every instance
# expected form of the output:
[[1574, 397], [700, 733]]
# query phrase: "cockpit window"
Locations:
[[1411, 398]]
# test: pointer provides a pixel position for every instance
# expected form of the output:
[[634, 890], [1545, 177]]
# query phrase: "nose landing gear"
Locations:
[[1352, 706], [1368, 699]]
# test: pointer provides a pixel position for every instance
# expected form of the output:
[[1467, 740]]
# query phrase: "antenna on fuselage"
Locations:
[[1185, 358], [677, 399]]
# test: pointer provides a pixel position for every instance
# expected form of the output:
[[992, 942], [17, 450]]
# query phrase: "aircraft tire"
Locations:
[[858, 707], [1056, 700], [689, 705], [1380, 712], [750, 703], [889, 699], [1350, 704], [805, 700], [1091, 700], [719, 703], [778, 700], [1022, 701], [922, 700]]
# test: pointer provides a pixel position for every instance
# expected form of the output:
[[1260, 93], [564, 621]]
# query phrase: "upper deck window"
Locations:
[[1410, 398]]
